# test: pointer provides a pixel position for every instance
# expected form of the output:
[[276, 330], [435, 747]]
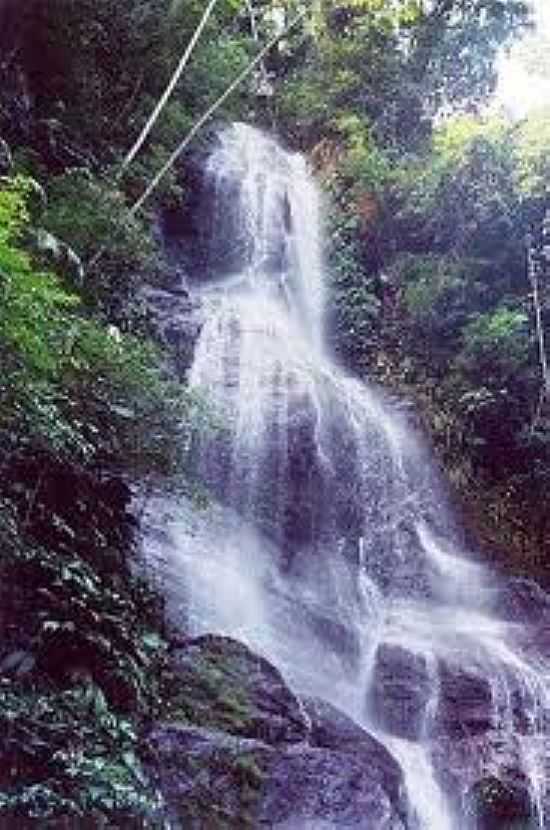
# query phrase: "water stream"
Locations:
[[329, 545]]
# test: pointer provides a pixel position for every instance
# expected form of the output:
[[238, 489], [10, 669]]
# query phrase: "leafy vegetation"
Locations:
[[80, 403], [432, 295]]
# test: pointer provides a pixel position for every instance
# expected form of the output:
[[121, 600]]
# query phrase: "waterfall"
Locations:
[[328, 545]]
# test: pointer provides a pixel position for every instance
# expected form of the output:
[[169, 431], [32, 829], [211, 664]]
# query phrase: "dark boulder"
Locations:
[[308, 787], [332, 729], [401, 690], [237, 749], [465, 704], [207, 778], [219, 683], [493, 804], [210, 779], [176, 320]]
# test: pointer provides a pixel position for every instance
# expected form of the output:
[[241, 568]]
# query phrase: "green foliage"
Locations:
[[462, 198], [35, 317], [80, 656], [34, 306], [395, 64], [437, 238], [66, 755], [93, 218], [438, 295], [71, 385], [78, 398], [497, 342], [532, 140], [117, 391], [82, 620], [364, 165], [97, 67], [355, 308]]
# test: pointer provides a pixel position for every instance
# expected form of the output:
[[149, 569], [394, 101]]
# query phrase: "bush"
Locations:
[[117, 248], [72, 386]]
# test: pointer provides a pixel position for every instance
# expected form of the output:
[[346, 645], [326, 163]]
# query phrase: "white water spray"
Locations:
[[330, 549]]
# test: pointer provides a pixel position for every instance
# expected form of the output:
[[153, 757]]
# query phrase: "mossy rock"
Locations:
[[208, 779], [211, 780], [219, 683], [235, 748]]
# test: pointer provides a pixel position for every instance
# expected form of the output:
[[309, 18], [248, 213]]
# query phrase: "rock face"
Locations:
[[461, 764], [401, 690], [176, 318], [475, 721], [524, 601], [219, 683], [239, 750], [207, 778], [311, 787], [480, 759], [465, 704], [333, 730], [494, 804]]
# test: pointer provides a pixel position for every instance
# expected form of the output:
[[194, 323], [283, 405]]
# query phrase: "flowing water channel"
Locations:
[[328, 545]]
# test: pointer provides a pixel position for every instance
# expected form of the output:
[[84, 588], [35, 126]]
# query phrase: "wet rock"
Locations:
[[237, 749], [6, 161], [333, 632], [465, 704], [309, 787], [176, 319], [484, 776], [401, 690], [332, 729], [522, 600], [209, 778], [218, 682], [493, 804], [17, 663], [305, 480]]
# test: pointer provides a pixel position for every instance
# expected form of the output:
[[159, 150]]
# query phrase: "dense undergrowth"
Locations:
[[432, 297], [428, 294], [85, 409]]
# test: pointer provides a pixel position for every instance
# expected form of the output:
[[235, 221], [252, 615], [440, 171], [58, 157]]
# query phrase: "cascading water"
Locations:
[[330, 549]]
